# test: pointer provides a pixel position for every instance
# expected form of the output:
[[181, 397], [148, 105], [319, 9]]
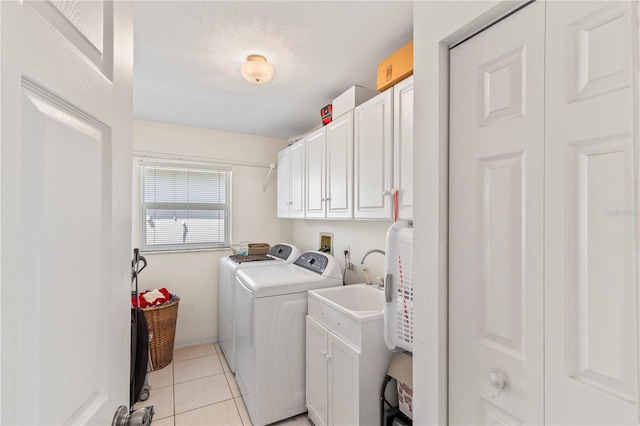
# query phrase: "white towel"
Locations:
[[152, 295]]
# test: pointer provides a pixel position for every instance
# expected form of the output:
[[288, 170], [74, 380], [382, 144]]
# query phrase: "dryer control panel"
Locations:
[[313, 261]]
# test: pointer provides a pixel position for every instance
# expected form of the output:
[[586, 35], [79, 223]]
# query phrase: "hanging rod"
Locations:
[[266, 181], [151, 154]]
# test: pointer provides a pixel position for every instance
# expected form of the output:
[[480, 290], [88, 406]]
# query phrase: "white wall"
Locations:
[[436, 24], [194, 275], [359, 235]]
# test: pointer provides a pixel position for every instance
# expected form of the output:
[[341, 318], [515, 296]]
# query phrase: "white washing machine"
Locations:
[[271, 305], [279, 253]]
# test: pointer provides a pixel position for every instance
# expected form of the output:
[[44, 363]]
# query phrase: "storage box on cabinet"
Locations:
[[396, 67], [349, 99]]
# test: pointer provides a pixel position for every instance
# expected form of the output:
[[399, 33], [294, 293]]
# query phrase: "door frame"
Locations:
[[439, 394], [493, 16], [431, 224]]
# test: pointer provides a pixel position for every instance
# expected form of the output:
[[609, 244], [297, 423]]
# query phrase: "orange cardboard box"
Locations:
[[396, 67]]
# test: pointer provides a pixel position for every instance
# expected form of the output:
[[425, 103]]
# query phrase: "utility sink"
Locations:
[[360, 302], [349, 311]]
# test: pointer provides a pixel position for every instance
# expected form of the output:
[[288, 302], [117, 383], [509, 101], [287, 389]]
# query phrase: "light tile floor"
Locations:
[[197, 388]]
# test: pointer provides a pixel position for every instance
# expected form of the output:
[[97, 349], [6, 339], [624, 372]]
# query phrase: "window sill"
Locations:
[[185, 251]]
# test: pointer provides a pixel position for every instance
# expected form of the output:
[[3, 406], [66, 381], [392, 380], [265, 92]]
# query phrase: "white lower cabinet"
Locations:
[[343, 378]]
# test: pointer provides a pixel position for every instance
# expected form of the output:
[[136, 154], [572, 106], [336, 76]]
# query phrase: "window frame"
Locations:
[[184, 247]]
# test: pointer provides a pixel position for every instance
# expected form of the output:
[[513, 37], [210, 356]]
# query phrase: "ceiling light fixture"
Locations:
[[256, 70]]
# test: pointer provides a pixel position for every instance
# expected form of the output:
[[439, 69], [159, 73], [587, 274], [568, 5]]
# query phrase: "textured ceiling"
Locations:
[[188, 56]]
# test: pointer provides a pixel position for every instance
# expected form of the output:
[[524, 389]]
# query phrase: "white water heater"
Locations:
[[398, 287]]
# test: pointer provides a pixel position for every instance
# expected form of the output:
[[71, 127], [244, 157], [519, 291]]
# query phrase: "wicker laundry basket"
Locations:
[[162, 328]]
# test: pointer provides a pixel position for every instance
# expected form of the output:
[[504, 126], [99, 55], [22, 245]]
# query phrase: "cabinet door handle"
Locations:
[[328, 356], [324, 353]]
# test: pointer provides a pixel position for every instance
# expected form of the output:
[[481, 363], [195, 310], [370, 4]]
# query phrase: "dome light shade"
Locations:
[[256, 70]]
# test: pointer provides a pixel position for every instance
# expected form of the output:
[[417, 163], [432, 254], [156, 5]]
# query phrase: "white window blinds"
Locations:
[[184, 207]]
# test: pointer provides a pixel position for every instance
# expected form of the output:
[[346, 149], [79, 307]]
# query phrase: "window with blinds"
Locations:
[[184, 208]]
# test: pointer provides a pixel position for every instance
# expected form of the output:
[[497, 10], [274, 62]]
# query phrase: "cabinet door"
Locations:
[[315, 151], [316, 372], [373, 157], [403, 146], [340, 167], [284, 191], [296, 177], [344, 382]]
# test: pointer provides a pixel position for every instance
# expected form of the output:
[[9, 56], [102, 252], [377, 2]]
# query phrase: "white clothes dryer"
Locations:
[[229, 266], [271, 306]]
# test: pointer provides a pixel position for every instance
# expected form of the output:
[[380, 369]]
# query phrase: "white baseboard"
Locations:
[[195, 342]]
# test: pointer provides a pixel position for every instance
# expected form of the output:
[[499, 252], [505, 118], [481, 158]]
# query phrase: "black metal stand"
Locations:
[[391, 416]]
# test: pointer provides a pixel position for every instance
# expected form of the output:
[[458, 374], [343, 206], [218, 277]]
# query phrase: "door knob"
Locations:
[[496, 378]]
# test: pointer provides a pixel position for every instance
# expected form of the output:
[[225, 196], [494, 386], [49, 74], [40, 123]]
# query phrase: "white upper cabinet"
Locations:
[[291, 181], [403, 146], [340, 167], [355, 167], [297, 184], [373, 157], [283, 183], [315, 155], [329, 169]]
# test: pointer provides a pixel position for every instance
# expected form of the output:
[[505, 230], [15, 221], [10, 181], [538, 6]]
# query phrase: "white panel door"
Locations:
[[284, 187], [296, 180], [403, 146], [315, 168], [591, 214], [317, 379], [496, 224], [66, 210], [340, 167], [344, 382], [373, 157]]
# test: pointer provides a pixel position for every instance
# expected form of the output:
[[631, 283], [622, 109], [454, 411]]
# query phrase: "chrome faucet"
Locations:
[[367, 278]]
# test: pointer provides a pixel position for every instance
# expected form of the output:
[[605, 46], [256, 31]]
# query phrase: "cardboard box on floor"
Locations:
[[396, 67]]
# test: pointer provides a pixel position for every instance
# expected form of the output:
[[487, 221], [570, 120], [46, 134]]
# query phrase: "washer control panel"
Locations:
[[281, 251], [313, 261]]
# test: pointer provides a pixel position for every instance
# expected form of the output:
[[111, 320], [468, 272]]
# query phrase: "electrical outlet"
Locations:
[[347, 259]]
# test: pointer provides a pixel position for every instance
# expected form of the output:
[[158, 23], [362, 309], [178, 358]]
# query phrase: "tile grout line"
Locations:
[[234, 399], [173, 385], [238, 410], [197, 378], [195, 357], [208, 405]]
